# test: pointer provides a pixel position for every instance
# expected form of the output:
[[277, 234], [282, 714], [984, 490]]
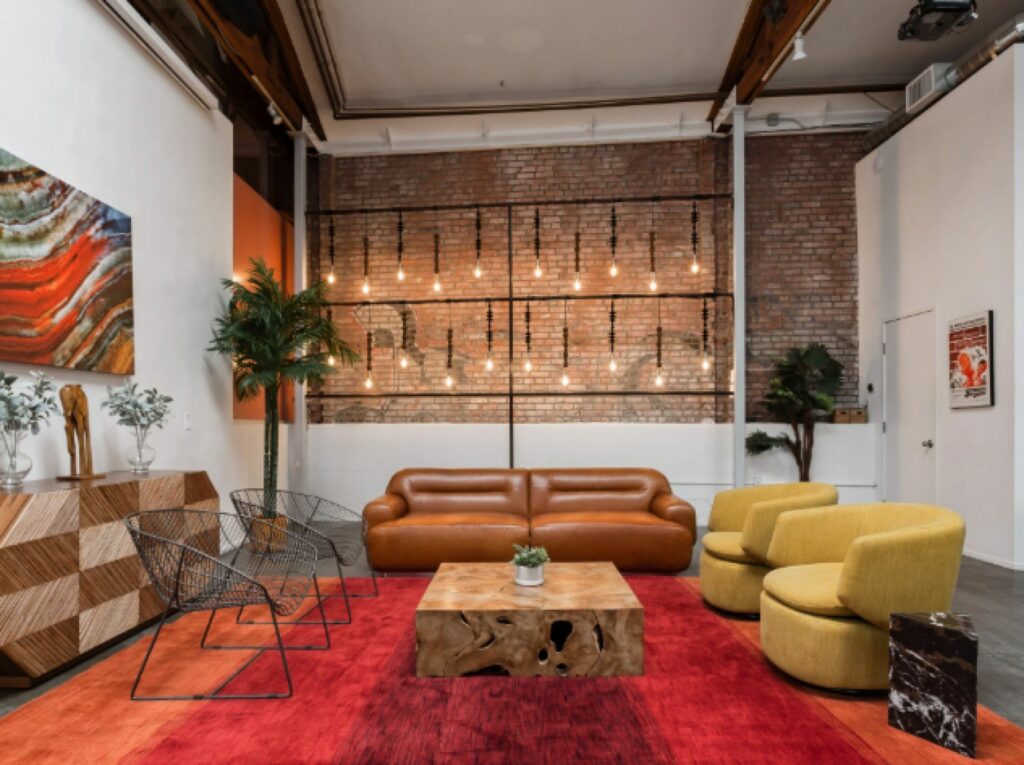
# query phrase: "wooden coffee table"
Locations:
[[583, 621]]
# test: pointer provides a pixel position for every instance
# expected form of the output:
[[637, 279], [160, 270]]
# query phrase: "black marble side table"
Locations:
[[933, 678]]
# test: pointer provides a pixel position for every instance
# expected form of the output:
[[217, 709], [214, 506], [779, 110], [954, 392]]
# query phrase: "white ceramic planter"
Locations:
[[528, 576]]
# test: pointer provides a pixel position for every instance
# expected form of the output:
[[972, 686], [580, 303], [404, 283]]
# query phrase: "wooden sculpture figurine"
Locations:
[[76, 425]]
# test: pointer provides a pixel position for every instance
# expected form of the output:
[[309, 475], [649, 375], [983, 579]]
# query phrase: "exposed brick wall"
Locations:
[[620, 170], [801, 254]]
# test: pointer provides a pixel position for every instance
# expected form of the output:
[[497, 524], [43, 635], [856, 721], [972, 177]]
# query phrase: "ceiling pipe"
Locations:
[[988, 50]]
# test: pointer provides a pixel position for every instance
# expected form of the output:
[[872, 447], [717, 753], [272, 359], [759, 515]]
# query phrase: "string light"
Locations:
[[577, 283], [330, 320], [477, 271], [366, 265], [659, 380], [403, 359], [694, 238], [565, 343], [705, 363], [489, 363], [613, 241], [331, 278], [654, 266], [437, 262], [537, 271], [449, 381], [612, 363], [528, 365], [401, 247]]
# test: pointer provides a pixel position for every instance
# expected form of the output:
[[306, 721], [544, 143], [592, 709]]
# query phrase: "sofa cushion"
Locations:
[[422, 542], [574, 490], [434, 490], [812, 589], [633, 541], [726, 545]]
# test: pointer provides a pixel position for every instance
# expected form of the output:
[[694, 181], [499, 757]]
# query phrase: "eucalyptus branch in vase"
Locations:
[[22, 412], [140, 411]]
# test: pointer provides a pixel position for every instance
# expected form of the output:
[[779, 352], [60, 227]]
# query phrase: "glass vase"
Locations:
[[141, 455], [14, 463]]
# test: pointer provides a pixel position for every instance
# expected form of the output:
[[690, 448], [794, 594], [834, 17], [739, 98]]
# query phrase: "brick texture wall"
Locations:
[[797, 252]]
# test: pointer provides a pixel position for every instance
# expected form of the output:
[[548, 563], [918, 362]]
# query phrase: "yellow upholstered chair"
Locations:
[[839, 573], [735, 555]]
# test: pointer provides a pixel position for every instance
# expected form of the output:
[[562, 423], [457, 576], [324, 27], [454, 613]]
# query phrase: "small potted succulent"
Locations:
[[529, 562], [140, 411], [22, 412]]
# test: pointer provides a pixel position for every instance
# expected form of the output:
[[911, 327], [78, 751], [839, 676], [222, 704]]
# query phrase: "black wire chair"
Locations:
[[337, 532], [199, 560]]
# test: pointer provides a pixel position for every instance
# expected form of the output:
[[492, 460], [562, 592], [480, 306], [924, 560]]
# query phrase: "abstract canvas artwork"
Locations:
[[65, 274], [971, 380]]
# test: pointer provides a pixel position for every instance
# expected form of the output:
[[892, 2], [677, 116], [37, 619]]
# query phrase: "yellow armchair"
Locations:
[[734, 556], [840, 572]]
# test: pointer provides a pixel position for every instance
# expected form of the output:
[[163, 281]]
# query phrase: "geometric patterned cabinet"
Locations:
[[70, 581]]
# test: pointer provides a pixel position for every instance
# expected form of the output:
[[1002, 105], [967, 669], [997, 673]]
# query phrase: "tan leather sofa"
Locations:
[[627, 516]]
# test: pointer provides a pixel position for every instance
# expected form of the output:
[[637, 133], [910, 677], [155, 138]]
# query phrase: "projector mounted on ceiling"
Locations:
[[932, 19]]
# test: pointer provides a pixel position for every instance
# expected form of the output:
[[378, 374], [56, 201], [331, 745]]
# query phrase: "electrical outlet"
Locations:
[[188, 420]]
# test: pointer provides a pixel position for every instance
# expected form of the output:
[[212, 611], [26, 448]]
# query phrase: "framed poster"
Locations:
[[971, 380], [65, 274]]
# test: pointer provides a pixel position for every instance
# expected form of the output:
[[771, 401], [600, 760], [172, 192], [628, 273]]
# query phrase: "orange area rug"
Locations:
[[707, 696]]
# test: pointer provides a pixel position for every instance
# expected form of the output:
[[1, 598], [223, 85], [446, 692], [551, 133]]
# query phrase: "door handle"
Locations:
[[928, 444]]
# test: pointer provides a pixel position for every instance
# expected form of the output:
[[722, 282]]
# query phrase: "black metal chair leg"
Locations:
[[373, 579], [149, 651]]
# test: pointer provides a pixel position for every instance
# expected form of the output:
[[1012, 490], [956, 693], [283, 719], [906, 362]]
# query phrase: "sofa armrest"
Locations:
[[903, 570], [816, 535], [762, 517], [729, 509], [672, 508], [388, 507]]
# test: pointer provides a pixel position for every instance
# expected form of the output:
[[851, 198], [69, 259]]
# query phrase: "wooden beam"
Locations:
[[291, 62], [763, 39], [247, 55]]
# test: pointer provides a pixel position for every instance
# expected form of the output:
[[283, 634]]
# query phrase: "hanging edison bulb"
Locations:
[[366, 265], [613, 242], [400, 248], [565, 343], [368, 382], [489, 362], [613, 365], [659, 379], [403, 358], [477, 271], [577, 282], [705, 363], [330, 360], [528, 364], [537, 270], [331, 278], [694, 238], [449, 381], [437, 262], [654, 266]]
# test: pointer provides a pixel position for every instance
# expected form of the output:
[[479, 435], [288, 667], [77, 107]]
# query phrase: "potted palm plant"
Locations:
[[801, 393], [275, 338], [529, 562]]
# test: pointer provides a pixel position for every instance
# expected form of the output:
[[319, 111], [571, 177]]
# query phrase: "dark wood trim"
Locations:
[[291, 62], [759, 44]]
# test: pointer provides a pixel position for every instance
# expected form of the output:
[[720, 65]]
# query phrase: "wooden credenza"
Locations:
[[70, 581]]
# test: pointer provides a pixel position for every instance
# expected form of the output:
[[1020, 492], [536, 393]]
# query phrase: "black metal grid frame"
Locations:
[[511, 299]]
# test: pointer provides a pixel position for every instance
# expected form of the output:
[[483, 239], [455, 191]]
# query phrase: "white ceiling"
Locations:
[[396, 54], [854, 43], [455, 52]]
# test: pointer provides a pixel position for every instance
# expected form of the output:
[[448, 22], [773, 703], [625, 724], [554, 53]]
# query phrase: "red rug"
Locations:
[[708, 696]]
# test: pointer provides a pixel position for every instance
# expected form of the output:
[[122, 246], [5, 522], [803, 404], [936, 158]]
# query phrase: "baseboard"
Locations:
[[994, 560]]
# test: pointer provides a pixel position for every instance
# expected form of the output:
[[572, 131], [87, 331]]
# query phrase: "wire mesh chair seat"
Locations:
[[199, 560], [337, 532]]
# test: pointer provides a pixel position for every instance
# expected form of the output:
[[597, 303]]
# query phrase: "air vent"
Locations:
[[927, 87]]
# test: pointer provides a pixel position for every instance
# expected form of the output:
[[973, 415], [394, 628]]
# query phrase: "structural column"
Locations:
[[298, 435], [739, 291]]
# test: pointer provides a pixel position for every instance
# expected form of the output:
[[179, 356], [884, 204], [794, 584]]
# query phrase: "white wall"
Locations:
[[937, 220], [83, 101], [353, 462]]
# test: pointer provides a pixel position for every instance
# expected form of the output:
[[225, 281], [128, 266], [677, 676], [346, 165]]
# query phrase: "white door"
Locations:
[[908, 408]]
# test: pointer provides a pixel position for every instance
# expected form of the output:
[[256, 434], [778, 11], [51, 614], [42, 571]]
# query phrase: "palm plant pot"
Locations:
[[268, 535], [530, 576]]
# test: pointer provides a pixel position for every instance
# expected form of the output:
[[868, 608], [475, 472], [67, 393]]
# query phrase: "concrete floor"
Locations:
[[993, 596]]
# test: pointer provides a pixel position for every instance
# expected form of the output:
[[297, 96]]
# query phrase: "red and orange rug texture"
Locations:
[[708, 697]]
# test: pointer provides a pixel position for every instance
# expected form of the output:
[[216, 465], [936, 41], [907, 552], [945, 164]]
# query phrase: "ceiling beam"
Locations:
[[248, 56], [763, 41], [291, 62]]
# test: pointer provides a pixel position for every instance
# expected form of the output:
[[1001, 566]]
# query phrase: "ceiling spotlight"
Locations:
[[275, 116], [799, 54]]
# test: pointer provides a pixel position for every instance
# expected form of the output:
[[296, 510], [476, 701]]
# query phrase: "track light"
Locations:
[[799, 54]]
